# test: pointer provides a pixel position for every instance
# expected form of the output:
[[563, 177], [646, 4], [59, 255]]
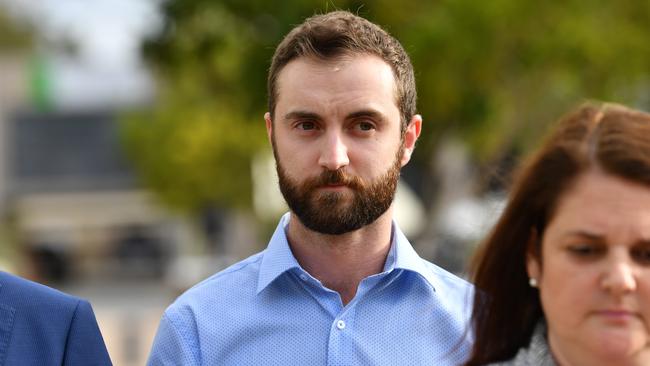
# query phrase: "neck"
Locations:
[[341, 262]]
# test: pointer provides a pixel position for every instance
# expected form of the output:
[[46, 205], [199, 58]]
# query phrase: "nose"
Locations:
[[619, 278], [334, 152]]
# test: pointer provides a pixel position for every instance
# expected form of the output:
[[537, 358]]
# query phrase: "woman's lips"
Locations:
[[616, 315]]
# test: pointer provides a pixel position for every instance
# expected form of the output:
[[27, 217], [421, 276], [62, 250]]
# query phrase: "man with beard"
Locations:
[[338, 284]]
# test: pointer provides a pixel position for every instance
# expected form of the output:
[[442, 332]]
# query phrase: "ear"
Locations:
[[533, 265], [269, 125], [410, 137]]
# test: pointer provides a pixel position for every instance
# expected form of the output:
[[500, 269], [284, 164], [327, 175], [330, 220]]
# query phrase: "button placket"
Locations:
[[340, 324]]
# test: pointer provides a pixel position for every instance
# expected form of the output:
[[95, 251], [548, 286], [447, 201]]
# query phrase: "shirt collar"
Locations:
[[403, 256], [279, 259]]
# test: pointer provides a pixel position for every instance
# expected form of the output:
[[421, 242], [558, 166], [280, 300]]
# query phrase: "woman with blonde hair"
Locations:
[[564, 277]]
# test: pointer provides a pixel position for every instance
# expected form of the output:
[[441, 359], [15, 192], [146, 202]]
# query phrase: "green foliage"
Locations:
[[195, 147], [194, 157], [13, 36], [498, 72], [494, 73]]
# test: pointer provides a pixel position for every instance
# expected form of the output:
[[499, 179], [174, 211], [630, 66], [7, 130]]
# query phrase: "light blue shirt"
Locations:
[[266, 310]]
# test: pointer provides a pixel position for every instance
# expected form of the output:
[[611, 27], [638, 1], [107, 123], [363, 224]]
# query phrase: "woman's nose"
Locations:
[[619, 277]]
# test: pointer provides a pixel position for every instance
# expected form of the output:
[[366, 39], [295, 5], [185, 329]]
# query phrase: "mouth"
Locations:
[[616, 315], [337, 186], [334, 185]]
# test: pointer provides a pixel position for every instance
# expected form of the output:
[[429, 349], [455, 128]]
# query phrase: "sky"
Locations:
[[107, 68], [107, 32]]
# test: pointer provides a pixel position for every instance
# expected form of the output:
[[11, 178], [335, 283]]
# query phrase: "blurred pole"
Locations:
[[40, 84], [13, 91], [12, 95]]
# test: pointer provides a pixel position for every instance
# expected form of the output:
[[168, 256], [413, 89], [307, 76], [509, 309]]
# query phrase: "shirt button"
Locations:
[[303, 277], [340, 324]]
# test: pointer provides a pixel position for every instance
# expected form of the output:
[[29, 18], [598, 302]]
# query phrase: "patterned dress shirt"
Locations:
[[266, 310]]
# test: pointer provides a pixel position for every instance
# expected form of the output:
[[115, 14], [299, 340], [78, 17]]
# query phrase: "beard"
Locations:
[[339, 212]]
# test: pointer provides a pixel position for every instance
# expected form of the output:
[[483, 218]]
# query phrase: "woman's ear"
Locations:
[[534, 256]]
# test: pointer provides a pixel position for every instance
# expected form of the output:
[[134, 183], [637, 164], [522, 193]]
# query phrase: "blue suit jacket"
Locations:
[[42, 326]]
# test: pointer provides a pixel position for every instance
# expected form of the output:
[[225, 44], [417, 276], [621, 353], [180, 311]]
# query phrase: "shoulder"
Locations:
[[47, 325], [212, 301], [453, 295], [40, 306], [23, 293], [503, 363], [536, 353], [447, 281], [239, 281], [243, 274]]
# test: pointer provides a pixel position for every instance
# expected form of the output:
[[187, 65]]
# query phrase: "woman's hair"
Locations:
[[610, 138]]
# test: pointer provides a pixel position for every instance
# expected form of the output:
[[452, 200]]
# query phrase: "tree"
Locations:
[[195, 146], [494, 74], [14, 36]]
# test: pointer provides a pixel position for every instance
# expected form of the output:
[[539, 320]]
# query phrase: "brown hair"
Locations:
[[608, 137], [339, 33]]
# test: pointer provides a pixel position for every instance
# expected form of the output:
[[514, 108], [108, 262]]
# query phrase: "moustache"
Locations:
[[335, 177]]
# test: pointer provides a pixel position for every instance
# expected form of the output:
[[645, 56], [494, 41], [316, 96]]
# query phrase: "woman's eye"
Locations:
[[585, 250]]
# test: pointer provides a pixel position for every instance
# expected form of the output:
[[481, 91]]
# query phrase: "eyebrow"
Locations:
[[301, 115], [585, 234], [599, 237], [374, 114], [311, 115]]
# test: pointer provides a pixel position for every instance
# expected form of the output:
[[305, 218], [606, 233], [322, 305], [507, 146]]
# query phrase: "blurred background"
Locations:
[[133, 156]]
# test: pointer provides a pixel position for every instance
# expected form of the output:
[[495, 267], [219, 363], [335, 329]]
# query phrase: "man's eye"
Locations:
[[365, 126], [307, 126]]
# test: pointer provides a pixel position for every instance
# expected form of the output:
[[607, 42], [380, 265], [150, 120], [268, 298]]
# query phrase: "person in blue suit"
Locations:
[[42, 326]]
